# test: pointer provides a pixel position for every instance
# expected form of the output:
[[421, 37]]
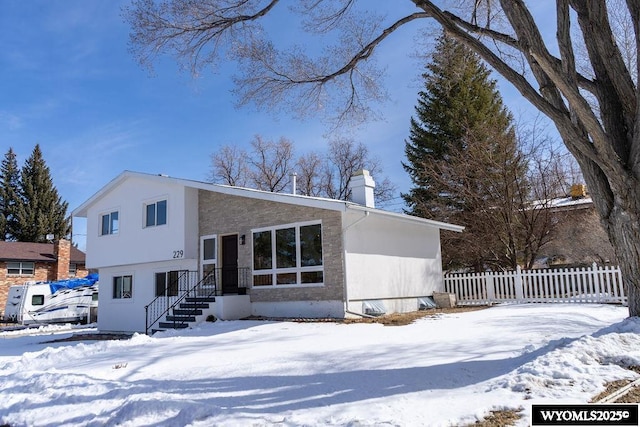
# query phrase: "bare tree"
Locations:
[[270, 164], [229, 166], [596, 115]]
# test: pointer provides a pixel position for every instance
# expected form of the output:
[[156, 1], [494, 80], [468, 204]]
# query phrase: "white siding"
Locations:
[[391, 259], [127, 314], [134, 243]]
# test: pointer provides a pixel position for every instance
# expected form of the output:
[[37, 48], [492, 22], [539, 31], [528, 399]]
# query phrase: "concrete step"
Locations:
[[171, 325], [181, 319], [187, 312]]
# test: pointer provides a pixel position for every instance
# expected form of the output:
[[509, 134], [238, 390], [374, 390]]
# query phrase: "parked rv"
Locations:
[[64, 301]]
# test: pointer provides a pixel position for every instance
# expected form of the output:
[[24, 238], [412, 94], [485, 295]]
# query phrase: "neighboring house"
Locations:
[[22, 262], [266, 254], [578, 238]]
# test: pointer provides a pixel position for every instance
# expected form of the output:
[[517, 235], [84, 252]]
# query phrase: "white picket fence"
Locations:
[[576, 285]]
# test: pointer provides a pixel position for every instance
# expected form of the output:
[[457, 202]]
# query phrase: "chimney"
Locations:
[[62, 253], [578, 191], [361, 186]]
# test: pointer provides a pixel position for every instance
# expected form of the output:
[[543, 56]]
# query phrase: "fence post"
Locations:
[[519, 284], [490, 290], [596, 282]]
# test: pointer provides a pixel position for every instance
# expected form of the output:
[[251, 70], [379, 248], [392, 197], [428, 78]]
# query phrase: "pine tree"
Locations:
[[40, 211], [9, 193], [462, 158]]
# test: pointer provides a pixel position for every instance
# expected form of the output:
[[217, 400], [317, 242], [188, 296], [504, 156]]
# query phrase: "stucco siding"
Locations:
[[221, 214], [391, 259], [128, 314], [135, 243]]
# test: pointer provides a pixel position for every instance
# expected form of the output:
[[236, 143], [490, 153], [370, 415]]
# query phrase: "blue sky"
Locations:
[[68, 83]]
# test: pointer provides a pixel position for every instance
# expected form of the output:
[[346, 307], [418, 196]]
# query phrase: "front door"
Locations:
[[230, 264]]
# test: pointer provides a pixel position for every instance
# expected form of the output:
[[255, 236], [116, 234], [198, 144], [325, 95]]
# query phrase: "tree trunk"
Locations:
[[621, 221]]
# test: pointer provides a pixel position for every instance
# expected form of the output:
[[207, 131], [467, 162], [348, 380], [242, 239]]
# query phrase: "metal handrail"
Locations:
[[185, 274], [214, 291]]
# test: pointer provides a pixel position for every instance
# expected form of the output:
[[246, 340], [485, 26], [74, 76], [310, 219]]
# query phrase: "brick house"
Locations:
[[22, 262], [578, 238], [155, 238]]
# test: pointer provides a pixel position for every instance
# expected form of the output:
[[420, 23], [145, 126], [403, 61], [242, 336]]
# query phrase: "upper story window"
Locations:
[[109, 223], [155, 213], [288, 255], [25, 268]]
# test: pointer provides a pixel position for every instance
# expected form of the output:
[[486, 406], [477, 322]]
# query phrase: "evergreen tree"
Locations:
[[462, 158], [9, 193], [40, 211]]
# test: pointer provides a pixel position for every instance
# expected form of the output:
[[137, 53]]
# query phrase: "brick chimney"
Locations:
[[62, 253], [361, 186]]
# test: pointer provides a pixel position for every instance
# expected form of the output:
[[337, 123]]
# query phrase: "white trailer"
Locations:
[[65, 301]]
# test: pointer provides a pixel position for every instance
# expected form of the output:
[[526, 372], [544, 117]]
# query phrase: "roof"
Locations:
[[294, 199], [41, 252]]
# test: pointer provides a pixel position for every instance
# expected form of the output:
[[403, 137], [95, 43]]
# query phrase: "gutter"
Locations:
[[344, 264]]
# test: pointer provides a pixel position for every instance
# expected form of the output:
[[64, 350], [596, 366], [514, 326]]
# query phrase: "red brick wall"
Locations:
[[62, 252]]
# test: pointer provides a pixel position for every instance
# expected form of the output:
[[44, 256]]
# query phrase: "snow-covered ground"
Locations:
[[446, 370]]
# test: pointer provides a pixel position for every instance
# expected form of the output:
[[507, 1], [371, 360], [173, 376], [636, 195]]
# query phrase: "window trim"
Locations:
[[21, 268], [154, 202], [274, 271], [113, 289]]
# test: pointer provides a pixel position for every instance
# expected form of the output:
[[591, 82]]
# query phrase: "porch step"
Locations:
[[187, 312], [181, 319], [171, 325], [204, 305], [200, 299]]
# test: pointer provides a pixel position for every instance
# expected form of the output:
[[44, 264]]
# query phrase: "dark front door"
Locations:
[[230, 264]]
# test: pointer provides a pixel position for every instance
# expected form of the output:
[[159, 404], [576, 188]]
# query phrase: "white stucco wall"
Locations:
[[127, 314], [134, 243], [390, 259]]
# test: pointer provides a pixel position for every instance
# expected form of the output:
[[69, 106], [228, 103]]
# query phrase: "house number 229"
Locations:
[[178, 254]]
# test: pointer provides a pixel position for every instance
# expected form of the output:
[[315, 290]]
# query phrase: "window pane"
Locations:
[[37, 300], [161, 284], [310, 245], [209, 249], [311, 277], [117, 287], [161, 212], [263, 280], [286, 248], [13, 268], [28, 267], [114, 222], [151, 215], [287, 278], [127, 286], [173, 283], [209, 271], [105, 225], [262, 250]]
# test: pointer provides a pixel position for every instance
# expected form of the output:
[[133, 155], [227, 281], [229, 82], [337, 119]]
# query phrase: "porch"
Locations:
[[185, 298]]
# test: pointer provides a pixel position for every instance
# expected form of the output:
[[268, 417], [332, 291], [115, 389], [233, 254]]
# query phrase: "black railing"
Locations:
[[185, 284]]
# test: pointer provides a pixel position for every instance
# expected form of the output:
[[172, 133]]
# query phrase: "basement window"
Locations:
[[373, 308], [426, 303]]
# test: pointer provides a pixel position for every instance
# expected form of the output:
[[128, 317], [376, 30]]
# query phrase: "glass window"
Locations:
[[167, 283], [310, 245], [122, 287], [288, 255], [286, 248], [209, 249], [37, 300], [262, 250], [109, 223], [73, 269], [156, 213], [25, 268]]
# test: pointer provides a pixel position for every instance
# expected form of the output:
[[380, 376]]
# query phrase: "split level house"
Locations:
[[158, 242], [22, 262]]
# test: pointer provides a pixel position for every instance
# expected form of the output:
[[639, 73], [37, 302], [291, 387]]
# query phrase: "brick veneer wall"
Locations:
[[223, 214]]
